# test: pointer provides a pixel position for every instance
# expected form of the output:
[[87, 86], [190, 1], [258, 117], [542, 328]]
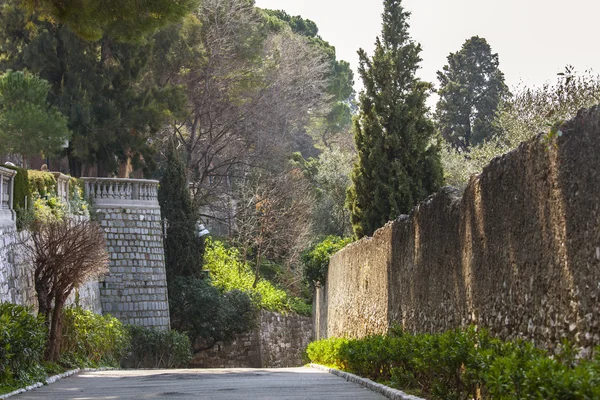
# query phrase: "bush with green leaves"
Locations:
[[463, 364], [22, 343], [208, 316], [228, 272], [154, 348], [316, 258], [92, 340]]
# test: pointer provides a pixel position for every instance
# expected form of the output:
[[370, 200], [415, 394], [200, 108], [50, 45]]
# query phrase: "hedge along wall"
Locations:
[[518, 253]]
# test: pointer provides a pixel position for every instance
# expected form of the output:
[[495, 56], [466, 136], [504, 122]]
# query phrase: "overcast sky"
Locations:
[[535, 39]]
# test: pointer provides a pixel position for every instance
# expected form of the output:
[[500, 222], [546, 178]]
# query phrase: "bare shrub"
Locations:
[[64, 254]]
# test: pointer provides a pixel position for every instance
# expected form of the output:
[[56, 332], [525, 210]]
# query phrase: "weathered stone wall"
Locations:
[[135, 289], [278, 341], [16, 278], [16, 275], [517, 253]]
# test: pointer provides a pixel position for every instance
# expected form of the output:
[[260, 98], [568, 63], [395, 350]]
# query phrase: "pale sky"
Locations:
[[535, 39]]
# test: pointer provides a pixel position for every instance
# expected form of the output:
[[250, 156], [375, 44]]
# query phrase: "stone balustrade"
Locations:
[[118, 192], [62, 186], [7, 179]]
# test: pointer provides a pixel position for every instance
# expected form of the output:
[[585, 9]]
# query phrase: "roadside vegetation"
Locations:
[[463, 364]]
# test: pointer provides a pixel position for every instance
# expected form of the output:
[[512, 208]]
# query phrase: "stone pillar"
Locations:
[[135, 289]]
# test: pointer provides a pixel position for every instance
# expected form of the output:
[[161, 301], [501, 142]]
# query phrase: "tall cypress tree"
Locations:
[[184, 250], [398, 158]]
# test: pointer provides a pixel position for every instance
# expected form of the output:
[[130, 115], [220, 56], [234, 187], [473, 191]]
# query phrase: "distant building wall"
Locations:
[[518, 253]]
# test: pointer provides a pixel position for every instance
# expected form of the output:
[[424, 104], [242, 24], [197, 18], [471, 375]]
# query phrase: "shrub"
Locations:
[[204, 313], [90, 340], [463, 364], [22, 342], [152, 348], [316, 258], [229, 273]]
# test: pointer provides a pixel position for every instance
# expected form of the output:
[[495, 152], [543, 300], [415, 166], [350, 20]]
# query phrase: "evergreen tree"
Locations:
[[28, 124], [125, 20], [472, 87], [183, 248], [398, 160]]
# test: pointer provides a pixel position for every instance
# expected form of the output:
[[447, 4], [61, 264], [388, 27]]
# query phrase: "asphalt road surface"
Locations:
[[217, 384]]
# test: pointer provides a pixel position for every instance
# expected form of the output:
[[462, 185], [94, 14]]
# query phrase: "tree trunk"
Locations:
[[55, 337]]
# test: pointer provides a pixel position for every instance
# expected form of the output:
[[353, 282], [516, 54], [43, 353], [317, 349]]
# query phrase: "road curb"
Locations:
[[388, 392], [51, 379]]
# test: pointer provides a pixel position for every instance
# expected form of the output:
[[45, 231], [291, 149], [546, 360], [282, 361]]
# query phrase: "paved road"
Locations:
[[217, 384]]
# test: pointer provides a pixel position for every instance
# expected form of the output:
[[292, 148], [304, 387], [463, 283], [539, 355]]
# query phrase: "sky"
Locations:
[[535, 39]]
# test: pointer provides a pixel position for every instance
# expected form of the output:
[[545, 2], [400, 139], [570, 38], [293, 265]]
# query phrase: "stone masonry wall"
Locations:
[[518, 252], [135, 289], [279, 341], [16, 276]]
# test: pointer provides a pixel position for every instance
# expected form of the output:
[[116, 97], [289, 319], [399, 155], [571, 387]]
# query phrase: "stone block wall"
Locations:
[[135, 289], [278, 341], [16, 277], [518, 252]]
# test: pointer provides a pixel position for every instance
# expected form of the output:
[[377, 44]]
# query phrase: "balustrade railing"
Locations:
[[121, 191], [62, 186], [7, 177]]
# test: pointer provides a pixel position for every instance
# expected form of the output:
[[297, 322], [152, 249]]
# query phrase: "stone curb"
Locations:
[[369, 384], [52, 379]]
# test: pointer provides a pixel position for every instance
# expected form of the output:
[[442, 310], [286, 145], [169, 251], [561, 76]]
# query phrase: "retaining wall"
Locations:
[[279, 341], [518, 253]]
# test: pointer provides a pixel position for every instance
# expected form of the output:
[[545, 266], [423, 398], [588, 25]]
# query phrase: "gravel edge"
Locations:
[[369, 384], [51, 379]]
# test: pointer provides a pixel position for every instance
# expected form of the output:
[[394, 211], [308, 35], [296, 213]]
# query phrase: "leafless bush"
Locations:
[[64, 254]]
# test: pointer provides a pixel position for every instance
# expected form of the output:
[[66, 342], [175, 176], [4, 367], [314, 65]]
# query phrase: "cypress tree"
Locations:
[[183, 248], [398, 156]]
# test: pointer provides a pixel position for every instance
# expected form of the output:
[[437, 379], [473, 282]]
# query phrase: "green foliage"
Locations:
[[22, 343], [208, 316], [121, 19], [153, 348], [28, 124], [316, 258], [92, 340], [329, 176], [229, 273], [471, 90], [463, 364], [529, 112], [183, 248], [105, 88], [46, 205], [22, 195], [77, 203], [398, 157]]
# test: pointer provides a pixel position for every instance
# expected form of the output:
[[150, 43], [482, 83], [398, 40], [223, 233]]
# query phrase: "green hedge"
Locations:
[[153, 348], [22, 343], [467, 364]]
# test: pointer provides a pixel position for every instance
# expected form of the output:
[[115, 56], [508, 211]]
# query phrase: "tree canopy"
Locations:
[[471, 89], [398, 160], [28, 124], [125, 20]]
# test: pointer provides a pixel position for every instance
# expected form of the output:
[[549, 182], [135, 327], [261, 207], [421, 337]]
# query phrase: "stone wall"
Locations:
[[135, 289], [279, 341], [518, 252], [16, 277]]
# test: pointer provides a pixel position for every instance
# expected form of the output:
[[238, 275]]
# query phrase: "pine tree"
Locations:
[[183, 248], [398, 160], [472, 87]]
